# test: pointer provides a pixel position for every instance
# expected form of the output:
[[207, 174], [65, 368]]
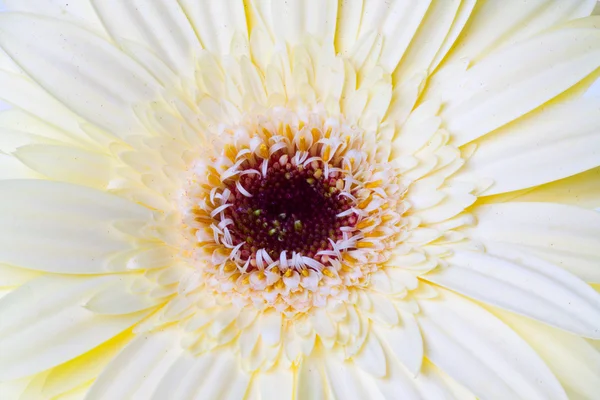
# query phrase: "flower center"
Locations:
[[292, 209]]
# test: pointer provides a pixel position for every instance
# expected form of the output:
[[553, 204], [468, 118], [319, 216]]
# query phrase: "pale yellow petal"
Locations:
[[71, 63], [564, 235], [71, 227], [482, 353]]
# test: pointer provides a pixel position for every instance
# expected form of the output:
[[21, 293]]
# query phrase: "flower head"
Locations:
[[299, 199]]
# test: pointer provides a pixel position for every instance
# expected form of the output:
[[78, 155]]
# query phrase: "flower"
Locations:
[[299, 199]]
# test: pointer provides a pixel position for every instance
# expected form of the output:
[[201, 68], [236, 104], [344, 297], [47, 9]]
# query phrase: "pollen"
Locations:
[[292, 203]]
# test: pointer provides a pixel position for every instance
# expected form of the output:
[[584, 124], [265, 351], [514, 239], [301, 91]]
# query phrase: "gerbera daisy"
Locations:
[[299, 199]]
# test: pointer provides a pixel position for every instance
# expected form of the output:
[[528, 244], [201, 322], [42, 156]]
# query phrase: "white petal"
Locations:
[[73, 64], [43, 324], [67, 164], [395, 22], [531, 152], [77, 372], [371, 357], [161, 26], [514, 81], [59, 227], [579, 190], [344, 381], [36, 111], [482, 353], [14, 276], [310, 382], [496, 25], [81, 11], [574, 361], [277, 384], [437, 33], [537, 290], [405, 342], [564, 235], [291, 21]]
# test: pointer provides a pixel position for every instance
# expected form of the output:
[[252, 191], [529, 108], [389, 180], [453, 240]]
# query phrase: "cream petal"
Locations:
[[482, 353], [404, 342], [538, 290], [14, 276], [436, 35], [394, 22], [291, 21], [371, 357], [493, 26], [531, 152], [344, 380], [217, 22], [139, 367], [310, 383], [161, 26], [61, 380], [277, 384], [72, 64], [37, 112], [81, 12], [580, 190], [67, 164], [574, 361], [563, 235], [43, 324], [518, 79], [69, 226]]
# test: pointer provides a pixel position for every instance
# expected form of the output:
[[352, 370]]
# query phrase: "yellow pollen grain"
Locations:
[[302, 144], [275, 270], [328, 132], [387, 217], [365, 223], [318, 173], [328, 273], [326, 152], [288, 273], [280, 284], [372, 185], [261, 275], [263, 151], [304, 272], [363, 204], [234, 277], [246, 280], [288, 132], [365, 245], [214, 180], [230, 152], [269, 289]]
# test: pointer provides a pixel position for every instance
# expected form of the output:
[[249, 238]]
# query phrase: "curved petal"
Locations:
[[436, 35], [161, 26], [67, 164], [61, 227], [573, 360], [43, 323], [482, 353], [537, 289], [80, 11], [378, 31], [155, 366], [580, 190], [496, 25], [510, 83], [217, 23], [73, 64], [530, 152], [291, 21], [564, 235]]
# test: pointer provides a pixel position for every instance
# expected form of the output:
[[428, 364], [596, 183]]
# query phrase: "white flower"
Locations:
[[299, 199]]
